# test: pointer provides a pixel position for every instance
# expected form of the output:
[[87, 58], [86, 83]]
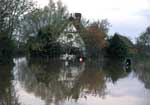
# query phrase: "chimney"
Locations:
[[71, 18], [78, 16]]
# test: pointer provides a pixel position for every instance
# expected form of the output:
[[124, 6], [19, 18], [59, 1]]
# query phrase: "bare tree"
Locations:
[[51, 18], [10, 13]]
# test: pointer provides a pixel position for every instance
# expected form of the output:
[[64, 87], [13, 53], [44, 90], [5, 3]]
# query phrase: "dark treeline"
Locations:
[[143, 43], [52, 31]]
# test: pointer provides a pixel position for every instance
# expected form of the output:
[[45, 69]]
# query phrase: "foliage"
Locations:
[[95, 38], [143, 42], [6, 48], [10, 12], [117, 48], [42, 28], [43, 45], [51, 18], [144, 38]]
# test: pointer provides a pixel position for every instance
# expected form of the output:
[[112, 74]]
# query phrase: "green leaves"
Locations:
[[118, 47], [143, 43]]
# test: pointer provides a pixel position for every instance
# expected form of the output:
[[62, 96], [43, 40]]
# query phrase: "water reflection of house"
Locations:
[[70, 73], [55, 82]]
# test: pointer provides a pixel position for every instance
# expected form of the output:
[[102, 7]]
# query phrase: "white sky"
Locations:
[[128, 17]]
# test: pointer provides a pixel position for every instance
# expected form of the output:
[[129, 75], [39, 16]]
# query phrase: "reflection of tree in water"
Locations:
[[7, 92], [39, 77], [142, 70], [54, 82], [90, 81], [114, 70]]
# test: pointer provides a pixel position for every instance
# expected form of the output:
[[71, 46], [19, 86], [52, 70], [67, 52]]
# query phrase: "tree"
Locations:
[[144, 38], [10, 13], [42, 28], [119, 47], [143, 41], [51, 19], [95, 37], [6, 48]]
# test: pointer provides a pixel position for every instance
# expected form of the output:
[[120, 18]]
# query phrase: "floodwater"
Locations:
[[56, 82]]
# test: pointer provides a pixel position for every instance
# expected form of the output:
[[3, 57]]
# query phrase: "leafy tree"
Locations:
[[117, 47], [51, 18], [143, 42], [144, 38], [43, 27], [6, 48], [95, 37]]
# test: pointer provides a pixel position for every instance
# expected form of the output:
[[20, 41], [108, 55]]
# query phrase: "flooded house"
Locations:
[[71, 39]]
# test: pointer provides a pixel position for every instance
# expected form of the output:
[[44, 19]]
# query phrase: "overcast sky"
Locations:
[[127, 17]]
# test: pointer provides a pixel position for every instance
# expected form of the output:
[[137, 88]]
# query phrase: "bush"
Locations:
[[117, 49], [6, 48]]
